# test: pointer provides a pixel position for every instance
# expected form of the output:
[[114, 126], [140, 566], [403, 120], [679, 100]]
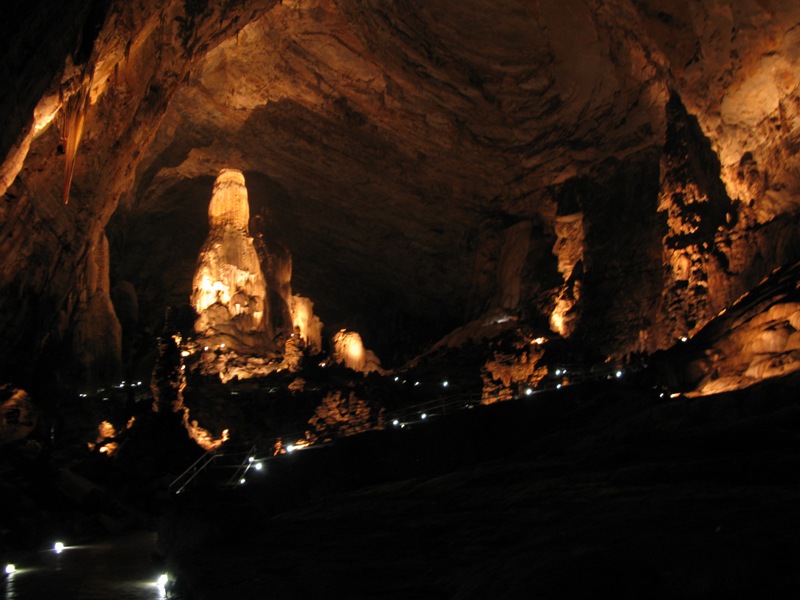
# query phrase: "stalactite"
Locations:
[[74, 108]]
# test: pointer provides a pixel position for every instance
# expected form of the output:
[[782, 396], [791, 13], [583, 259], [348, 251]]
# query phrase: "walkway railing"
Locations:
[[190, 474], [252, 457]]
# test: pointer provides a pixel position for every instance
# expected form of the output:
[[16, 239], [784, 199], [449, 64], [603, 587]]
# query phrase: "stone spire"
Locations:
[[229, 289]]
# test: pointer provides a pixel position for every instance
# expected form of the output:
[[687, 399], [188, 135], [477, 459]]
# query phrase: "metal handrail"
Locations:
[[197, 467], [245, 464]]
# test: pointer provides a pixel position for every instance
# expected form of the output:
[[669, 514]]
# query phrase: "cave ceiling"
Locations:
[[391, 147], [376, 142]]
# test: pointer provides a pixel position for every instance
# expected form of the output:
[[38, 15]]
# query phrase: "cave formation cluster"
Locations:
[[618, 172]]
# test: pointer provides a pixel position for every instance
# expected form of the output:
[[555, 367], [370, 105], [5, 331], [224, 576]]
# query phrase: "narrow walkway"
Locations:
[[232, 465]]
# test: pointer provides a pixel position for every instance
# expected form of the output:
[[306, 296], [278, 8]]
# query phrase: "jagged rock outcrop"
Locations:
[[509, 374], [168, 384], [405, 149], [341, 414]]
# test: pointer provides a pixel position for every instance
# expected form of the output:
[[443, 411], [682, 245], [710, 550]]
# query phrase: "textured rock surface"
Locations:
[[414, 159], [757, 338]]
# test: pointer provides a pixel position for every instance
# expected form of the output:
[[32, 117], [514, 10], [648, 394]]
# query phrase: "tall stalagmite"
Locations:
[[229, 288]]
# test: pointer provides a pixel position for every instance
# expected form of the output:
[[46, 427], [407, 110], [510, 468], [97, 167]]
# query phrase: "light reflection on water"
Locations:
[[120, 569]]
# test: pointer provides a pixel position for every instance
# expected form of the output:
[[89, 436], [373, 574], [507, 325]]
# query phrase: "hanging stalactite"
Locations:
[[74, 109]]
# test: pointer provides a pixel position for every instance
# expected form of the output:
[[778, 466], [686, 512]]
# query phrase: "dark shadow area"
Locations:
[[603, 489]]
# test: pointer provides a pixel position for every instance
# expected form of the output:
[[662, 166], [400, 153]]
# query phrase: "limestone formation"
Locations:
[[348, 350], [404, 145], [341, 414], [756, 338], [169, 382], [229, 288], [97, 333], [509, 374], [569, 251], [306, 324]]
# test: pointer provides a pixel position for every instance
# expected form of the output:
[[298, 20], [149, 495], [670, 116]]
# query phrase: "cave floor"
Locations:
[[594, 492]]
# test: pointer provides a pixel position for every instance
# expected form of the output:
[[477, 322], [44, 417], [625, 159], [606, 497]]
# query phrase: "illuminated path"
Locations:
[[120, 568], [243, 462]]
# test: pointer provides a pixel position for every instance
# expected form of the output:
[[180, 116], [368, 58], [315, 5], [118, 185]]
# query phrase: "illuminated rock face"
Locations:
[[341, 415], [702, 223], [569, 252], [307, 325], [756, 338], [348, 350], [509, 374], [168, 384], [230, 292]]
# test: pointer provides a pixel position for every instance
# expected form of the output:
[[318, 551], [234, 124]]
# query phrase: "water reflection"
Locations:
[[121, 569]]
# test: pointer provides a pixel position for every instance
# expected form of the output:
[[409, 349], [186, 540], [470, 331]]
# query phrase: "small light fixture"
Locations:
[[10, 568], [250, 459], [445, 383], [242, 481], [259, 466], [684, 339], [290, 448], [558, 387], [424, 415], [395, 422], [58, 547], [162, 580], [618, 374], [528, 391]]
